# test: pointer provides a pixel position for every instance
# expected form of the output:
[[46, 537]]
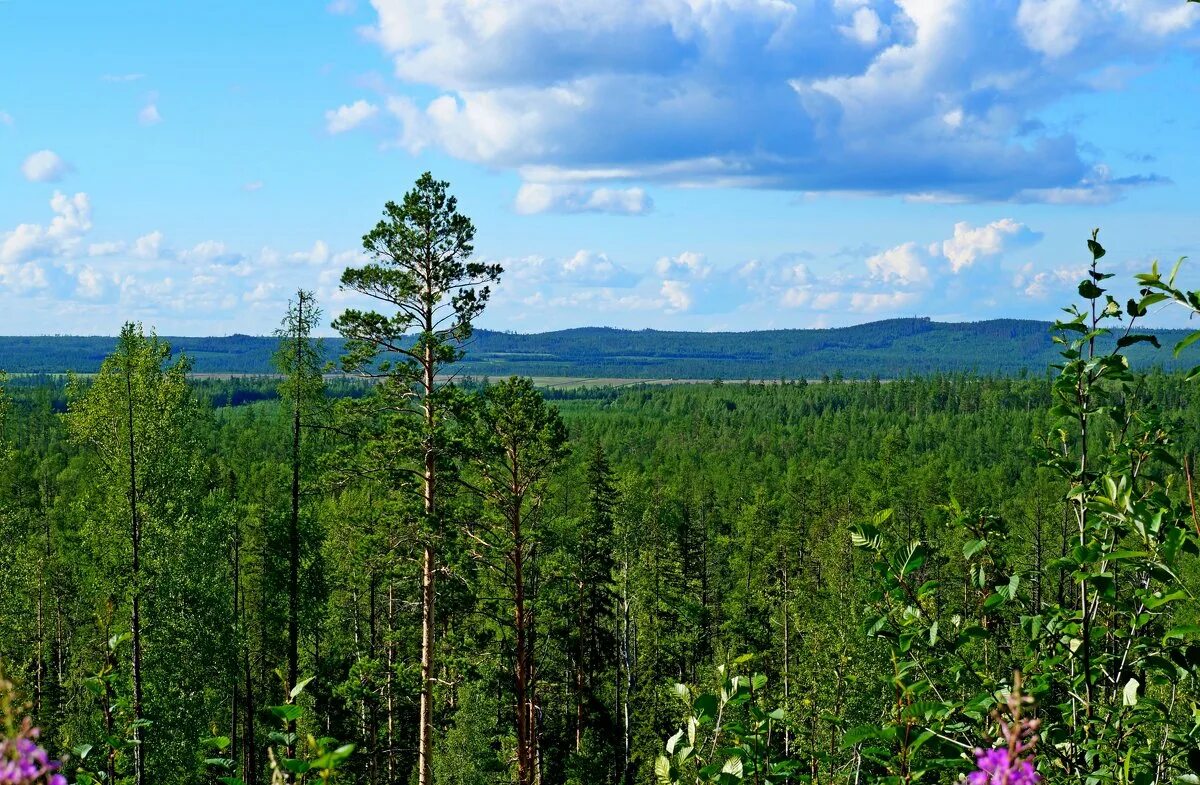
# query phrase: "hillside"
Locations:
[[890, 348]]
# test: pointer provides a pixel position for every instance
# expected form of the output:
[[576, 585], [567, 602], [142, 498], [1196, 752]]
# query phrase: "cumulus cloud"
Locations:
[[971, 243], [902, 264], [149, 246], [202, 285], [535, 198], [45, 166], [584, 268], [784, 94], [688, 264], [349, 116], [72, 220]]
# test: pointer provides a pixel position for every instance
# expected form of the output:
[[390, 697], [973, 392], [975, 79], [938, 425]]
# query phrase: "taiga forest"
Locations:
[[386, 546]]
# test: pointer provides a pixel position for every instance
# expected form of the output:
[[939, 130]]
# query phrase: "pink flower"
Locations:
[[1000, 766], [24, 762]]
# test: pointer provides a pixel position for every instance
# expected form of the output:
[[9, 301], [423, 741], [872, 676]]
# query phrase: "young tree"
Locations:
[[299, 359], [135, 415], [595, 644], [517, 441], [419, 266]]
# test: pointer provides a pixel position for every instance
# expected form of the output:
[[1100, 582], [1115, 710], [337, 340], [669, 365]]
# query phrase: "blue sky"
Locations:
[[677, 164]]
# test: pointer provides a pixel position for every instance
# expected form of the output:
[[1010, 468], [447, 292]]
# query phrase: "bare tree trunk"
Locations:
[[293, 665], [139, 757], [524, 657], [428, 569]]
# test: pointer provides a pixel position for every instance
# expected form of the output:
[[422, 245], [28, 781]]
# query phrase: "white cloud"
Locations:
[[588, 268], [318, 254], [1053, 27], [584, 268], [149, 114], [90, 283], [252, 186], [865, 27], [788, 94], [677, 295], [902, 265], [687, 264], [6, 118], [874, 302], [45, 166], [149, 246], [533, 198], [110, 248], [349, 116], [1041, 284], [972, 243], [211, 252], [23, 249], [341, 7], [122, 77]]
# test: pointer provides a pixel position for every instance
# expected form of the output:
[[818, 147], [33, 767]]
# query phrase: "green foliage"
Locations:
[[728, 737]]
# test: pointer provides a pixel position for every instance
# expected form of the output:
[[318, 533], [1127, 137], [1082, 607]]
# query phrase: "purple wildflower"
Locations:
[[1011, 764], [24, 762], [997, 766]]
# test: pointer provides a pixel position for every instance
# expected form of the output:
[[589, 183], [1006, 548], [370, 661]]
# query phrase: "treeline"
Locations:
[[889, 349]]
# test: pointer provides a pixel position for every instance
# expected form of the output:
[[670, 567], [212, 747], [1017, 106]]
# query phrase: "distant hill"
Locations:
[[890, 348]]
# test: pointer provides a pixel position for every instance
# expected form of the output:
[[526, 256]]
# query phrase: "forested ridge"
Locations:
[[890, 348], [466, 583]]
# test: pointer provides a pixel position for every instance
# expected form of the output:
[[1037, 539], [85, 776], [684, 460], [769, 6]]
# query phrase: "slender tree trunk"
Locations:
[[428, 569], [250, 766], [787, 735], [139, 757], [523, 657], [234, 703], [389, 647], [293, 666]]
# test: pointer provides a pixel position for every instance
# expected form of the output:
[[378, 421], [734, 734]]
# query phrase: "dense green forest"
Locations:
[[888, 349], [415, 581]]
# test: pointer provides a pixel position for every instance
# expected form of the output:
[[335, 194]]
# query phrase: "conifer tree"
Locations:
[[420, 267], [298, 358], [518, 441]]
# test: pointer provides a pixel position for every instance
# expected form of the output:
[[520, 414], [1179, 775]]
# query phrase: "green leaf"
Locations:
[[299, 688], [288, 713], [1186, 631], [1090, 291], [1130, 693], [662, 770], [859, 735], [673, 741], [705, 707], [1186, 342], [1130, 340]]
